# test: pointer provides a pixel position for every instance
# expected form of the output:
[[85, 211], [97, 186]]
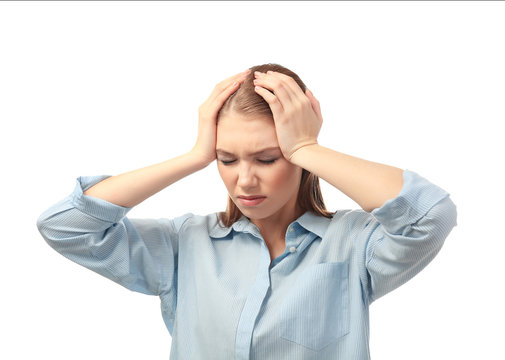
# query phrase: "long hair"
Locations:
[[247, 102]]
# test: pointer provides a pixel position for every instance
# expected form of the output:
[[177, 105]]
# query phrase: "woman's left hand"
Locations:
[[297, 116]]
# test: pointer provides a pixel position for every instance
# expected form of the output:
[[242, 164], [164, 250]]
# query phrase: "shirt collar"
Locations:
[[218, 231], [309, 221], [316, 224]]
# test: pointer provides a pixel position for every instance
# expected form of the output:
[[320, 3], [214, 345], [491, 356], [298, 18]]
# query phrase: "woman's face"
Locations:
[[260, 181]]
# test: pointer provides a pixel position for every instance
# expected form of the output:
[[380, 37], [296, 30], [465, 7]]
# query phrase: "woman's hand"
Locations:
[[297, 116], [205, 146]]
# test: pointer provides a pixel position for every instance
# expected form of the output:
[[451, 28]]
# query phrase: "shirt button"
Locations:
[[292, 249], [291, 229]]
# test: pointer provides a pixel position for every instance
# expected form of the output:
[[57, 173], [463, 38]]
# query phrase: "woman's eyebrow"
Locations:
[[223, 152]]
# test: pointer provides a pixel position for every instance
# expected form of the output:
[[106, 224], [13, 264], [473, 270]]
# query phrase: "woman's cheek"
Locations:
[[226, 175], [280, 176]]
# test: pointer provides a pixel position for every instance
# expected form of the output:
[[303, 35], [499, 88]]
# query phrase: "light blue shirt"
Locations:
[[222, 297]]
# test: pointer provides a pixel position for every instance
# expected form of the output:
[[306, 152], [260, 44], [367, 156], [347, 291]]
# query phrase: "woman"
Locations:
[[276, 276]]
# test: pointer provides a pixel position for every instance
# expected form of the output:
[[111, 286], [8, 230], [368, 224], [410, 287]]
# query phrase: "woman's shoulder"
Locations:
[[351, 215], [209, 222], [350, 220], [344, 219]]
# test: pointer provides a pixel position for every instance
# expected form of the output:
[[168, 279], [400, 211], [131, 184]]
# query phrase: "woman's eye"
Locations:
[[268, 161]]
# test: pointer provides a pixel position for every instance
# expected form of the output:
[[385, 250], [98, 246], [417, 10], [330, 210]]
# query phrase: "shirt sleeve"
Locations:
[[139, 254], [405, 235]]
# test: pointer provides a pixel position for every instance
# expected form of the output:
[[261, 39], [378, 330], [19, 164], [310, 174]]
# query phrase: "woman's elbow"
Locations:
[[55, 228], [442, 218], [45, 229]]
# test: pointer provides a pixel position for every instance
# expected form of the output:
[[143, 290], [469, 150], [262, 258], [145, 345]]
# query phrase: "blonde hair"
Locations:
[[245, 101]]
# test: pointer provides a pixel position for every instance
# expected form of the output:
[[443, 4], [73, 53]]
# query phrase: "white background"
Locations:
[[101, 88]]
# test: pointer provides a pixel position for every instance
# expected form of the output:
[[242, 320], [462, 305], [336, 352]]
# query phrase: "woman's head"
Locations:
[[246, 126], [245, 100]]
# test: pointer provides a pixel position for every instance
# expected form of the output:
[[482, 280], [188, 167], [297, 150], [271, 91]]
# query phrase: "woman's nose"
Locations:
[[246, 176]]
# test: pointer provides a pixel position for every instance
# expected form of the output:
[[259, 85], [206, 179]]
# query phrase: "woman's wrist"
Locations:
[[199, 159], [368, 183], [303, 155]]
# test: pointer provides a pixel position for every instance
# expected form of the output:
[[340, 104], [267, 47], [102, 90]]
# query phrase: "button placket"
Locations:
[[252, 306], [290, 236]]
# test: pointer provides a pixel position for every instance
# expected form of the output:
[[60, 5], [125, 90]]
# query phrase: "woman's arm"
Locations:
[[140, 254], [368, 183], [411, 217], [131, 188], [298, 119]]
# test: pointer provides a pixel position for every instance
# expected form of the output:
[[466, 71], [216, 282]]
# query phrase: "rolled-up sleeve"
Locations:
[[139, 254], [405, 235]]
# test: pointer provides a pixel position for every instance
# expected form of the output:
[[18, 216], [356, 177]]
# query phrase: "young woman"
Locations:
[[275, 276]]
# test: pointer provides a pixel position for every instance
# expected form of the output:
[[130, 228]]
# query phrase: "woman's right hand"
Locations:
[[205, 147]]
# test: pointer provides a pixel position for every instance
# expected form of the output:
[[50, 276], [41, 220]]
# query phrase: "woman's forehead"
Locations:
[[271, 150], [254, 134], [233, 117]]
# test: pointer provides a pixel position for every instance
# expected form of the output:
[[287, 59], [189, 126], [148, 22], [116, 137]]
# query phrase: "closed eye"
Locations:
[[267, 161]]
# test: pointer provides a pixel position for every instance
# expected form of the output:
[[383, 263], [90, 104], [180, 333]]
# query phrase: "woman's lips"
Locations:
[[251, 200]]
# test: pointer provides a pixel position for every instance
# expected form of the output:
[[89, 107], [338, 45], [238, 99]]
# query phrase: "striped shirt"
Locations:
[[221, 295]]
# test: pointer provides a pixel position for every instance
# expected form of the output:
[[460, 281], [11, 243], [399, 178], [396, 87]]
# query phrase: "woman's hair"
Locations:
[[246, 101]]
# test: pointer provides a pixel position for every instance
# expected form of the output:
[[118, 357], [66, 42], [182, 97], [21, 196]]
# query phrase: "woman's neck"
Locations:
[[273, 228]]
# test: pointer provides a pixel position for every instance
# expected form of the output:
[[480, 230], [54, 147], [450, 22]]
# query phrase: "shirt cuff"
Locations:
[[415, 199], [98, 208]]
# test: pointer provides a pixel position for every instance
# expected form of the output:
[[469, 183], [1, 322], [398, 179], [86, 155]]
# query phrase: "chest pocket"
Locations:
[[315, 311]]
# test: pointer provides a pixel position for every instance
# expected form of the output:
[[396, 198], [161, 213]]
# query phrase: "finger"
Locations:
[[290, 86], [315, 104], [270, 98], [220, 99], [226, 87], [296, 92], [293, 85], [278, 86]]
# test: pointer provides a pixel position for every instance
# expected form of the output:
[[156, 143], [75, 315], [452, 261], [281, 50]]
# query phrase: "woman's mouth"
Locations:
[[251, 200]]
